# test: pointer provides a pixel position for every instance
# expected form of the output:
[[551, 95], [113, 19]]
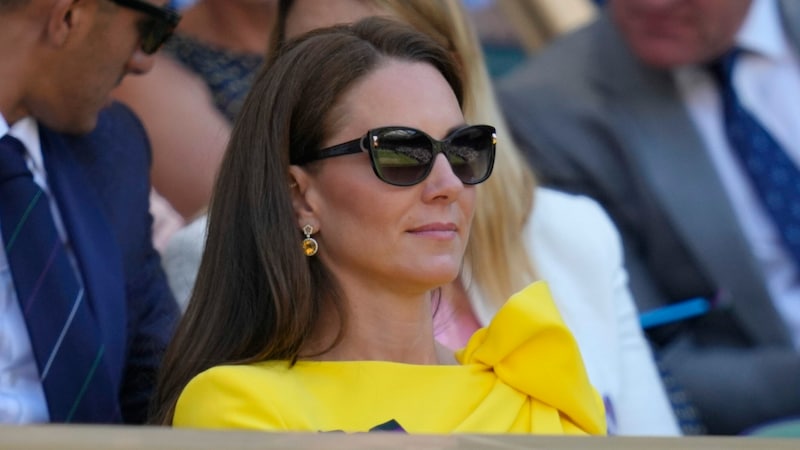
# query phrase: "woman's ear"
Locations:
[[303, 191]]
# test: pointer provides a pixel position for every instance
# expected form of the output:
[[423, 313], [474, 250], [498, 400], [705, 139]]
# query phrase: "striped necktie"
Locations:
[[63, 334], [773, 175]]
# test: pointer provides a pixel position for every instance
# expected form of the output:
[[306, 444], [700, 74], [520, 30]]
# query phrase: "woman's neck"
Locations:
[[383, 326], [454, 321], [237, 26]]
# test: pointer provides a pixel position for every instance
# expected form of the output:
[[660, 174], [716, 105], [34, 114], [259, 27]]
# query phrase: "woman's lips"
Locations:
[[436, 230]]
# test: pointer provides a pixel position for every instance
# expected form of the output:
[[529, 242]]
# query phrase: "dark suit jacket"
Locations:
[[101, 183], [595, 121]]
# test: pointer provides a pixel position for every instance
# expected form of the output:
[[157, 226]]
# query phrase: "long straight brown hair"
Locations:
[[257, 296]]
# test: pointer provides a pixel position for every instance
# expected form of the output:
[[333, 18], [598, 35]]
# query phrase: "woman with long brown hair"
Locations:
[[523, 232], [344, 201]]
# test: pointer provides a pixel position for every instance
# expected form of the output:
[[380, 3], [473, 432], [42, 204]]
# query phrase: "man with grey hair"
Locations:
[[682, 117]]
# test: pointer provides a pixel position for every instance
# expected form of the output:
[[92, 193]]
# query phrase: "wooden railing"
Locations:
[[82, 437]]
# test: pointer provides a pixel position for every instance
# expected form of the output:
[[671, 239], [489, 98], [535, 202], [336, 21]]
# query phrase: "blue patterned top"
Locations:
[[228, 75]]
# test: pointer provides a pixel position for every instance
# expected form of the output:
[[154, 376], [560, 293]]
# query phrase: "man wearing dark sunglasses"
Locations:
[[85, 310]]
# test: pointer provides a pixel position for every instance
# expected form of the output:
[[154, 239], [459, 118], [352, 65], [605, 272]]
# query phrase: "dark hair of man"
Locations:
[[258, 297]]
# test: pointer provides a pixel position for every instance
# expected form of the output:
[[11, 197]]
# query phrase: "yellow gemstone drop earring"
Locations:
[[310, 245]]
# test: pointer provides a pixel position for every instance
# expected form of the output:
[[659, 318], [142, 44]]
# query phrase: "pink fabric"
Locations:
[[454, 324]]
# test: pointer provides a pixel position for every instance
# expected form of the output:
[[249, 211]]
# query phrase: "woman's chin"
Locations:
[[440, 276]]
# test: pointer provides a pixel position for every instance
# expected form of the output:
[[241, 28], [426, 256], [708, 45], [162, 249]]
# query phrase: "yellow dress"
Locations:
[[521, 374]]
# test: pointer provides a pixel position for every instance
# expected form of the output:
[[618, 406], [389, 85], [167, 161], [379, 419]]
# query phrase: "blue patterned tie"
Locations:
[[63, 334], [773, 174]]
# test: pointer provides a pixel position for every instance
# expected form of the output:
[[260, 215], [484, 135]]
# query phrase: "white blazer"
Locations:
[[578, 251]]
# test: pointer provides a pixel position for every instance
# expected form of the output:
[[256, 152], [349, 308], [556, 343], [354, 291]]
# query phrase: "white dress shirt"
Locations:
[[767, 81], [22, 397]]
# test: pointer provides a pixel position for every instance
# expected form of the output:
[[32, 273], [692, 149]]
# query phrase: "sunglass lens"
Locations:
[[154, 33], [401, 156], [471, 153]]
